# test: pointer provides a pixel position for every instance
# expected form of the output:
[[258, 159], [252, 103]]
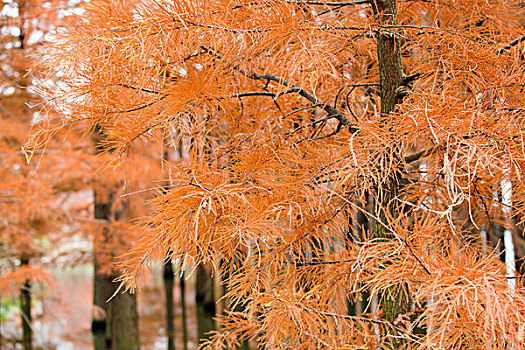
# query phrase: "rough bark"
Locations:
[[124, 321], [394, 301]]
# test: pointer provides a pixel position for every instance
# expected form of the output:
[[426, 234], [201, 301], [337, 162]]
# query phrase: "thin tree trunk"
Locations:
[[102, 285], [25, 310], [184, 313], [168, 288], [395, 300], [25, 292], [101, 293], [218, 292], [168, 275], [205, 301]]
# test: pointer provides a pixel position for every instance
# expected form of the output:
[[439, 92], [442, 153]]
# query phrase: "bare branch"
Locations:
[[264, 93], [331, 3], [309, 96], [418, 155], [511, 44]]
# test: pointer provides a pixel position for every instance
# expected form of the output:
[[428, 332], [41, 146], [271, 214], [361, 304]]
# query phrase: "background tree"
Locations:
[[115, 318], [34, 196], [296, 110], [30, 205]]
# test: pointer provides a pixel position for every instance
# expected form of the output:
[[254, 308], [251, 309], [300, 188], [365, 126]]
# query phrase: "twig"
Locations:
[[263, 93], [511, 44], [330, 3], [418, 155]]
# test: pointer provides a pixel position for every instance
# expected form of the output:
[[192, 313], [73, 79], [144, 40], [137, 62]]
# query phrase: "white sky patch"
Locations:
[[37, 117], [35, 37], [510, 255], [15, 31], [7, 91], [10, 9]]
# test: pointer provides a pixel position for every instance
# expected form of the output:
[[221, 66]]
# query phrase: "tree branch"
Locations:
[[264, 93], [134, 88], [418, 155], [330, 3], [321, 262], [407, 79], [302, 92], [149, 104], [511, 44]]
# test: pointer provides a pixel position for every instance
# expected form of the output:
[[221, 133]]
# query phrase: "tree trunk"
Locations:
[[124, 322], [184, 314], [205, 301], [394, 301], [102, 289], [25, 310], [389, 56], [102, 285], [168, 288], [115, 322], [168, 274]]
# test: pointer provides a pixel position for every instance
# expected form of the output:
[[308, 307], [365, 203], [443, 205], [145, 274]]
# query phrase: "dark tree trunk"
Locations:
[[115, 322], [124, 322], [102, 290], [168, 288], [389, 57], [168, 274], [394, 301], [102, 285], [184, 313], [205, 301], [25, 310]]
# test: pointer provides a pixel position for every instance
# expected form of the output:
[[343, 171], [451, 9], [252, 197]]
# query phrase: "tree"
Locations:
[[115, 320], [29, 200], [295, 112], [32, 193]]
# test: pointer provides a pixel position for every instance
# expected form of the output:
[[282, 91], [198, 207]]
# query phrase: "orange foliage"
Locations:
[[277, 103], [12, 282], [31, 210]]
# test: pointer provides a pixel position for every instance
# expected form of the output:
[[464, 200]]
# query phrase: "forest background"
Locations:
[[350, 171]]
